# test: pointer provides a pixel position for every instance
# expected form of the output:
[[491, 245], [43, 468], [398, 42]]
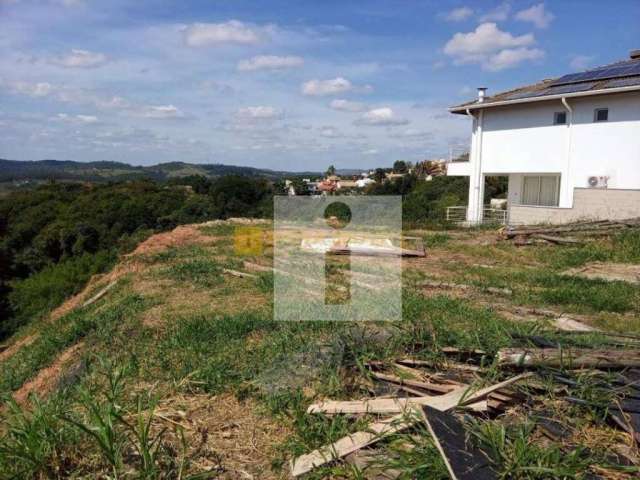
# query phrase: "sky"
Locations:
[[292, 85]]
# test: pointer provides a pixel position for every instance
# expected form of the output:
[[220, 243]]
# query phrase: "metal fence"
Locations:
[[490, 216]]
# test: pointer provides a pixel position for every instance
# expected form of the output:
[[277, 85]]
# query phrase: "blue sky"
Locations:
[[291, 85]]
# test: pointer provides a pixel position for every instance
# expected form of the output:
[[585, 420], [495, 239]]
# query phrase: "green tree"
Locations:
[[400, 166]]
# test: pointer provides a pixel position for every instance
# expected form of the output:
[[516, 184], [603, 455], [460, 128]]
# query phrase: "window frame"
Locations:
[[539, 193], [597, 111], [556, 115]]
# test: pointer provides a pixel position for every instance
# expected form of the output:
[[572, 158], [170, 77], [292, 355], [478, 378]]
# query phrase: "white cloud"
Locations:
[[581, 62], [259, 113], [498, 14], [384, 116], [269, 62], [347, 106], [492, 48], [41, 89], [326, 87], [511, 57], [80, 59], [459, 14], [371, 151], [87, 119], [333, 86], [162, 112], [536, 15], [215, 34]]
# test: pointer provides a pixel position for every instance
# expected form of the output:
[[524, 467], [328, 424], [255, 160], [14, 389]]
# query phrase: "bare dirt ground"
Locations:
[[608, 271], [49, 378]]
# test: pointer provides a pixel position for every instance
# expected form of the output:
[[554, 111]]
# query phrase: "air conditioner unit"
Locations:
[[598, 181]]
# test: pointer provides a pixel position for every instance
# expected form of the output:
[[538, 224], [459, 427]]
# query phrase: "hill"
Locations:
[[66, 170], [171, 364]]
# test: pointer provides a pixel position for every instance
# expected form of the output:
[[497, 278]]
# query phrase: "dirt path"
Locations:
[[48, 379]]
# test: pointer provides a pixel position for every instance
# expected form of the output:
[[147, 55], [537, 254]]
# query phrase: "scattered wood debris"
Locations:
[[236, 273], [522, 235], [100, 294], [463, 460], [569, 358], [379, 430], [437, 393], [382, 247]]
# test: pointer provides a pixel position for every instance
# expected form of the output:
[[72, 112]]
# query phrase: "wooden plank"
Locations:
[[569, 358], [463, 460], [349, 444], [434, 387], [567, 324], [445, 366], [100, 294], [397, 423], [236, 273], [558, 240]]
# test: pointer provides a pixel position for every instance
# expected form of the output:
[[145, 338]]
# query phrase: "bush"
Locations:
[[43, 291]]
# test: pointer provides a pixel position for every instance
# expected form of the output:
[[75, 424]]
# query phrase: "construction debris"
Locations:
[[379, 430], [569, 358], [560, 240], [463, 460], [555, 234], [236, 273], [364, 246], [100, 294], [435, 390]]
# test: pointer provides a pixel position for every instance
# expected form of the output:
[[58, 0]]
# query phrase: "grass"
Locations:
[[54, 338], [106, 423], [202, 272]]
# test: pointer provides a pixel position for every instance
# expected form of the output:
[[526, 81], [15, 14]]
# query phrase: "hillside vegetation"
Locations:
[[67, 170], [178, 370], [53, 238]]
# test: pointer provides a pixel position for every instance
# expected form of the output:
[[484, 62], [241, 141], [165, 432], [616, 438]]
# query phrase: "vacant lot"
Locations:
[[178, 370]]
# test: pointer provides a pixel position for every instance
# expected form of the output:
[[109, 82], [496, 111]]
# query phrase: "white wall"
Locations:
[[522, 139], [609, 148]]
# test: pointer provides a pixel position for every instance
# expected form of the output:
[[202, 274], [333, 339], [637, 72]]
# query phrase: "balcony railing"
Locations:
[[490, 216]]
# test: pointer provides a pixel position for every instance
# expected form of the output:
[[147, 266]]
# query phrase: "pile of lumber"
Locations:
[[566, 234], [409, 391], [429, 397]]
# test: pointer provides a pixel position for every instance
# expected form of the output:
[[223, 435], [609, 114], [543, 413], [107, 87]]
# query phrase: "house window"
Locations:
[[601, 115], [560, 118], [540, 190]]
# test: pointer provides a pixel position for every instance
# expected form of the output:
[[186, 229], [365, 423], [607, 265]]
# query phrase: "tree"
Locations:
[[331, 170], [379, 175], [400, 166]]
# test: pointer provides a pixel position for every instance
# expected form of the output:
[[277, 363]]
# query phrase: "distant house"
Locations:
[[363, 182], [570, 146], [393, 176]]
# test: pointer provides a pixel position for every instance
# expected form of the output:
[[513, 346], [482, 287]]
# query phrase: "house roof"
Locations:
[[613, 78]]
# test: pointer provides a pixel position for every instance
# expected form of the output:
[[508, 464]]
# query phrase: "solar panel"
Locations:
[[571, 88], [623, 82], [553, 90], [622, 70]]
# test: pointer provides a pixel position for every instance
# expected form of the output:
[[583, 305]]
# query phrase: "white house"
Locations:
[[570, 146]]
